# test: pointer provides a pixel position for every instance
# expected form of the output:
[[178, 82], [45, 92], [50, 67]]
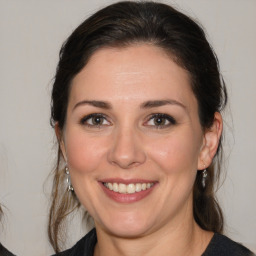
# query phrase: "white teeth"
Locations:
[[115, 187], [122, 188], [138, 187], [128, 189]]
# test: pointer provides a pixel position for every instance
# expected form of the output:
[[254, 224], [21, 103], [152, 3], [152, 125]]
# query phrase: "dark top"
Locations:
[[220, 245], [4, 251]]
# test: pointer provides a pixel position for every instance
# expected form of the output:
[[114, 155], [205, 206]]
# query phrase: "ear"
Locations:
[[210, 142], [59, 135]]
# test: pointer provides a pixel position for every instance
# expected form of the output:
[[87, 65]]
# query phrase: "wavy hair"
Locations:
[[123, 24]]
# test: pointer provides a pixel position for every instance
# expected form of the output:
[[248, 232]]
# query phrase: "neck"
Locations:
[[186, 239]]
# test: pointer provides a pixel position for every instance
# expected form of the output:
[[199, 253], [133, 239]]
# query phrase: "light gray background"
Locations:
[[31, 33]]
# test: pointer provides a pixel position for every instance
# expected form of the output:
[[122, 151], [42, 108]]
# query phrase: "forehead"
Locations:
[[141, 72]]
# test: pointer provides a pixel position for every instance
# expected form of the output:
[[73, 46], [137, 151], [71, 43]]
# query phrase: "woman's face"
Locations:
[[133, 141]]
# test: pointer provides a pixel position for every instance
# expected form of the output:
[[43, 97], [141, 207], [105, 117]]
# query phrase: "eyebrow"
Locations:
[[159, 103], [95, 103], [147, 104]]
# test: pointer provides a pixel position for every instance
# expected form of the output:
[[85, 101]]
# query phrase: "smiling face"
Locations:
[[133, 140]]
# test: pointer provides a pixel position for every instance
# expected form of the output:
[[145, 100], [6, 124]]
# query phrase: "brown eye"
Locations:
[[160, 121], [95, 120]]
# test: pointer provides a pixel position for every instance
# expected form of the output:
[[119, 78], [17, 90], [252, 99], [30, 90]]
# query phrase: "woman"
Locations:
[[136, 107]]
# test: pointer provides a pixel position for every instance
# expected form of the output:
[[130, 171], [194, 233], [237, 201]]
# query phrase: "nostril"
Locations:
[[126, 151], [125, 164]]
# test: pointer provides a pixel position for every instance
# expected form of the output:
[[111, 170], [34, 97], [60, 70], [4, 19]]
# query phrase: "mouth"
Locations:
[[129, 188], [127, 191]]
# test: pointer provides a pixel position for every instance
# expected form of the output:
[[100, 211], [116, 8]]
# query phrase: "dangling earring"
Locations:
[[205, 174], [70, 188]]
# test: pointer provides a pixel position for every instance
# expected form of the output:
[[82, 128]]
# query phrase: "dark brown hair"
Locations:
[[128, 23], [1, 212]]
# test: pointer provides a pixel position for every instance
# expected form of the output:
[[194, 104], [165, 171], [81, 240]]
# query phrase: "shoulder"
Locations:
[[221, 245], [84, 247], [4, 251]]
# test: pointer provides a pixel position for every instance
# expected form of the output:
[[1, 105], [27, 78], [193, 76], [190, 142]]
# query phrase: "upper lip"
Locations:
[[126, 181]]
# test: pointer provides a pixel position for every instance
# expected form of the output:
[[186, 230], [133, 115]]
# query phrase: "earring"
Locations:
[[70, 188], [205, 174]]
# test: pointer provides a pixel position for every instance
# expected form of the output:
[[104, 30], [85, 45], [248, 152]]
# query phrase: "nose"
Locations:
[[126, 150]]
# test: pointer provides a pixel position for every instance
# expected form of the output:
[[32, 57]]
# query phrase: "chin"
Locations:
[[128, 232], [129, 227]]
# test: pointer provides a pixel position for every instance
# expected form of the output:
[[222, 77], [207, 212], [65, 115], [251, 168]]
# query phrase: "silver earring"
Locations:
[[70, 188], [205, 174]]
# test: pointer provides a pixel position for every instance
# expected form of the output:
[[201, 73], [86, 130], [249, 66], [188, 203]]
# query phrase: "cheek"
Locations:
[[84, 152], [176, 153]]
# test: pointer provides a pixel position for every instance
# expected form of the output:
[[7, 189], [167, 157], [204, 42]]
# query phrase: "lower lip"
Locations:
[[127, 198]]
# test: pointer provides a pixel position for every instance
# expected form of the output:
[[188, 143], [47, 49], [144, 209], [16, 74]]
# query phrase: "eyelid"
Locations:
[[171, 121], [167, 117], [92, 115]]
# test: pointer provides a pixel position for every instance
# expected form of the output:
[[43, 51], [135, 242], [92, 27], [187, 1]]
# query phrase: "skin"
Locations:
[[129, 145]]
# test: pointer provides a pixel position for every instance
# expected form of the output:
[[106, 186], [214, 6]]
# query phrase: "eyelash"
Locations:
[[84, 120], [164, 117]]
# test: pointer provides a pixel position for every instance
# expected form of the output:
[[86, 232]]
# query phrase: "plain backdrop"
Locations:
[[31, 33]]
